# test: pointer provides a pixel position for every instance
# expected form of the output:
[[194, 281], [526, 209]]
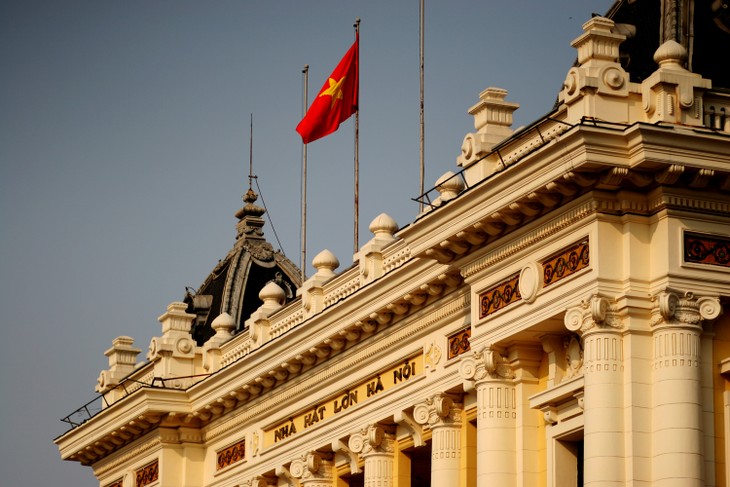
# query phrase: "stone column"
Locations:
[[444, 418], [603, 430], [312, 470], [488, 371], [375, 446], [677, 412]]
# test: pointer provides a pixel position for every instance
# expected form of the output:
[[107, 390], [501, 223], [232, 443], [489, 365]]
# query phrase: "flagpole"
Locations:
[[305, 74], [357, 162], [423, 136]]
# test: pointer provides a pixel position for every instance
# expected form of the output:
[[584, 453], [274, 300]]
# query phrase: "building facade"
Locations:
[[554, 317]]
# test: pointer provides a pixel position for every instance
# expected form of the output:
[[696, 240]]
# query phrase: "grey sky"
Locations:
[[124, 154]]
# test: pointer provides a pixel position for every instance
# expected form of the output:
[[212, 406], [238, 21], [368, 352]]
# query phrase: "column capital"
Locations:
[[486, 363], [439, 410], [594, 313], [372, 439], [675, 308], [312, 467]]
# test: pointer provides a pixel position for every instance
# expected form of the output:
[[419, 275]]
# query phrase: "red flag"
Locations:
[[336, 101]]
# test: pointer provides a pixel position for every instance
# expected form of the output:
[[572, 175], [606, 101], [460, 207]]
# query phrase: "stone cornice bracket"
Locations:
[[595, 312], [483, 364], [686, 310], [406, 421], [439, 410], [371, 439], [341, 449]]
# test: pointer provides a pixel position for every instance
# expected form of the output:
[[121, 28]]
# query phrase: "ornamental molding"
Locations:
[[594, 313], [119, 460], [460, 304], [550, 228], [484, 364]]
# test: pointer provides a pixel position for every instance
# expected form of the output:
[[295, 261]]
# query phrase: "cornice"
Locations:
[[132, 452], [122, 423], [579, 212], [458, 304]]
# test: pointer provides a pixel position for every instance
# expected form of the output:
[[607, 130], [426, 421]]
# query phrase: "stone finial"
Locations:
[[325, 262], [122, 354], [174, 353], [493, 122], [258, 323], [224, 325], [599, 42], [311, 291], [591, 87], [122, 359], [370, 255], [383, 227], [272, 295], [449, 186]]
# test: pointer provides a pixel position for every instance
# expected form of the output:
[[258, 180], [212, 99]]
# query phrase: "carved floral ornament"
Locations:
[[670, 308], [594, 312], [486, 363]]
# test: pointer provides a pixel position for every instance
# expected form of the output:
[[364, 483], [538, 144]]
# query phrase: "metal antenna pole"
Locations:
[[423, 136]]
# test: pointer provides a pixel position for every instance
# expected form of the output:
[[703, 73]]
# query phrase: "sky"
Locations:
[[124, 154]]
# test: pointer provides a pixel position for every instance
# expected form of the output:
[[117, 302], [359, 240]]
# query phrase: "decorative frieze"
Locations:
[[230, 455], [147, 474], [567, 262], [117, 483], [459, 343], [707, 249], [499, 296]]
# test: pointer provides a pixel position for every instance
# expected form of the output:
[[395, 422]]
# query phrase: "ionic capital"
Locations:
[[436, 411], [487, 363], [372, 439], [595, 312], [312, 467], [672, 308]]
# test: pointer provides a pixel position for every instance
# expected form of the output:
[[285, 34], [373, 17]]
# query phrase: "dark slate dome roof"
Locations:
[[233, 286]]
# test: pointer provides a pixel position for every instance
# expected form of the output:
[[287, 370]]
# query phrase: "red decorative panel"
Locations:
[[567, 262], [147, 475], [232, 454], [459, 343], [499, 296], [118, 483], [707, 249]]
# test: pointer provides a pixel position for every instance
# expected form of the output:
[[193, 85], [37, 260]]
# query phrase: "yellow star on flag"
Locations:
[[334, 90]]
